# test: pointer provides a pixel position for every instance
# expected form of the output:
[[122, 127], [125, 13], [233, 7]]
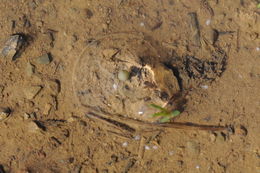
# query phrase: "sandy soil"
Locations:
[[211, 47]]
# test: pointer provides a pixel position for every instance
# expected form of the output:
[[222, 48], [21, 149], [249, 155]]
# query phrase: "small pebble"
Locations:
[[13, 44], [147, 147], [4, 113], [32, 91], [71, 119], [137, 137], [115, 86], [204, 87], [33, 127], [108, 53], [208, 22], [197, 167], [171, 153], [220, 138], [44, 59], [155, 147], [26, 116], [125, 144], [123, 75], [30, 69], [257, 48], [142, 24], [47, 109], [140, 112]]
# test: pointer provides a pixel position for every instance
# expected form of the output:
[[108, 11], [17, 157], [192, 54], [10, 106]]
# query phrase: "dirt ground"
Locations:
[[211, 48]]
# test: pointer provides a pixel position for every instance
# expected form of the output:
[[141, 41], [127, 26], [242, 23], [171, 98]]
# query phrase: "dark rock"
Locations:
[[12, 47]]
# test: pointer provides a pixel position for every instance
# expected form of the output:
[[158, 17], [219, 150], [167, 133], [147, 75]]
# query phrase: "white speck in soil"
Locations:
[[208, 22], [137, 137], [140, 112], [197, 167], [115, 86], [171, 153], [125, 144], [204, 87], [155, 147], [257, 48], [142, 24], [147, 147]]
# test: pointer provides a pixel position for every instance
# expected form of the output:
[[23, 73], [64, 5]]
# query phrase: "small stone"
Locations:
[[32, 91], [193, 147], [4, 113], [89, 13], [146, 147], [123, 75], [108, 53], [30, 69], [53, 86], [33, 127], [47, 109], [12, 46], [44, 59], [220, 138], [137, 137], [125, 144], [71, 119], [208, 22], [204, 87], [26, 116], [171, 153], [155, 147]]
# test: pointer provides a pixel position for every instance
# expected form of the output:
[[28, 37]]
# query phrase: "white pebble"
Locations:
[[125, 144], [142, 24], [208, 22], [140, 112], [155, 147], [257, 48], [171, 153], [198, 167], [204, 87], [114, 86], [147, 147], [137, 137]]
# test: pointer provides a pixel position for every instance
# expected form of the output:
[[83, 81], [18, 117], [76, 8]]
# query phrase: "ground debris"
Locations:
[[4, 113], [44, 59], [12, 47]]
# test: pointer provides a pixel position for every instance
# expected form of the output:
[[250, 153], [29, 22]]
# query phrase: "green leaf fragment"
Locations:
[[158, 114], [258, 5], [176, 113], [158, 107], [165, 119]]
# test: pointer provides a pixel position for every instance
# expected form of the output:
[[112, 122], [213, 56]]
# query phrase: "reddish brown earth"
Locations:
[[218, 77]]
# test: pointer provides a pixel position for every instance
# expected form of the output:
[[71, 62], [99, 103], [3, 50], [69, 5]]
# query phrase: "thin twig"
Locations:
[[132, 124]]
